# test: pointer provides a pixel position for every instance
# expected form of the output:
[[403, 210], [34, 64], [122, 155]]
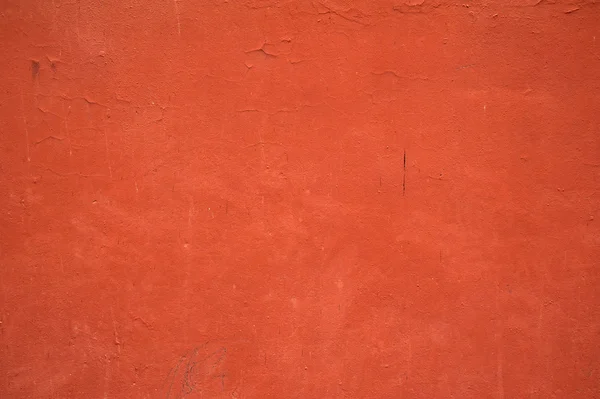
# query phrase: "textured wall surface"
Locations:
[[299, 199]]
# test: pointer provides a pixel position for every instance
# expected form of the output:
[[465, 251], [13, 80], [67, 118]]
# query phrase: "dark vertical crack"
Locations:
[[35, 68]]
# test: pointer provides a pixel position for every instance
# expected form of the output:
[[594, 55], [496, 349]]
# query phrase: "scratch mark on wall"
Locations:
[[262, 146], [67, 128], [117, 341], [177, 16]]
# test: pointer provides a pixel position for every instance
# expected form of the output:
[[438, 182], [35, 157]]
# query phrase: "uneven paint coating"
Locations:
[[292, 199]]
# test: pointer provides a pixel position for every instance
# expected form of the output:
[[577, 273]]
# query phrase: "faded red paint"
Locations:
[[254, 199]]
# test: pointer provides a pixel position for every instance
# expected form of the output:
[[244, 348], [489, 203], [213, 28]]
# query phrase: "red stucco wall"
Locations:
[[293, 199]]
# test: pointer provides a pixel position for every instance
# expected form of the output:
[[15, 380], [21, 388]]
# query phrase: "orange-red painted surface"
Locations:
[[294, 199]]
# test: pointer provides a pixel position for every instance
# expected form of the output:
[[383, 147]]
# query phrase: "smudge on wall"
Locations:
[[248, 199]]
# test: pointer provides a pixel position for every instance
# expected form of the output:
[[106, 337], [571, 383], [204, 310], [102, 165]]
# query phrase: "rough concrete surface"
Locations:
[[300, 199]]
